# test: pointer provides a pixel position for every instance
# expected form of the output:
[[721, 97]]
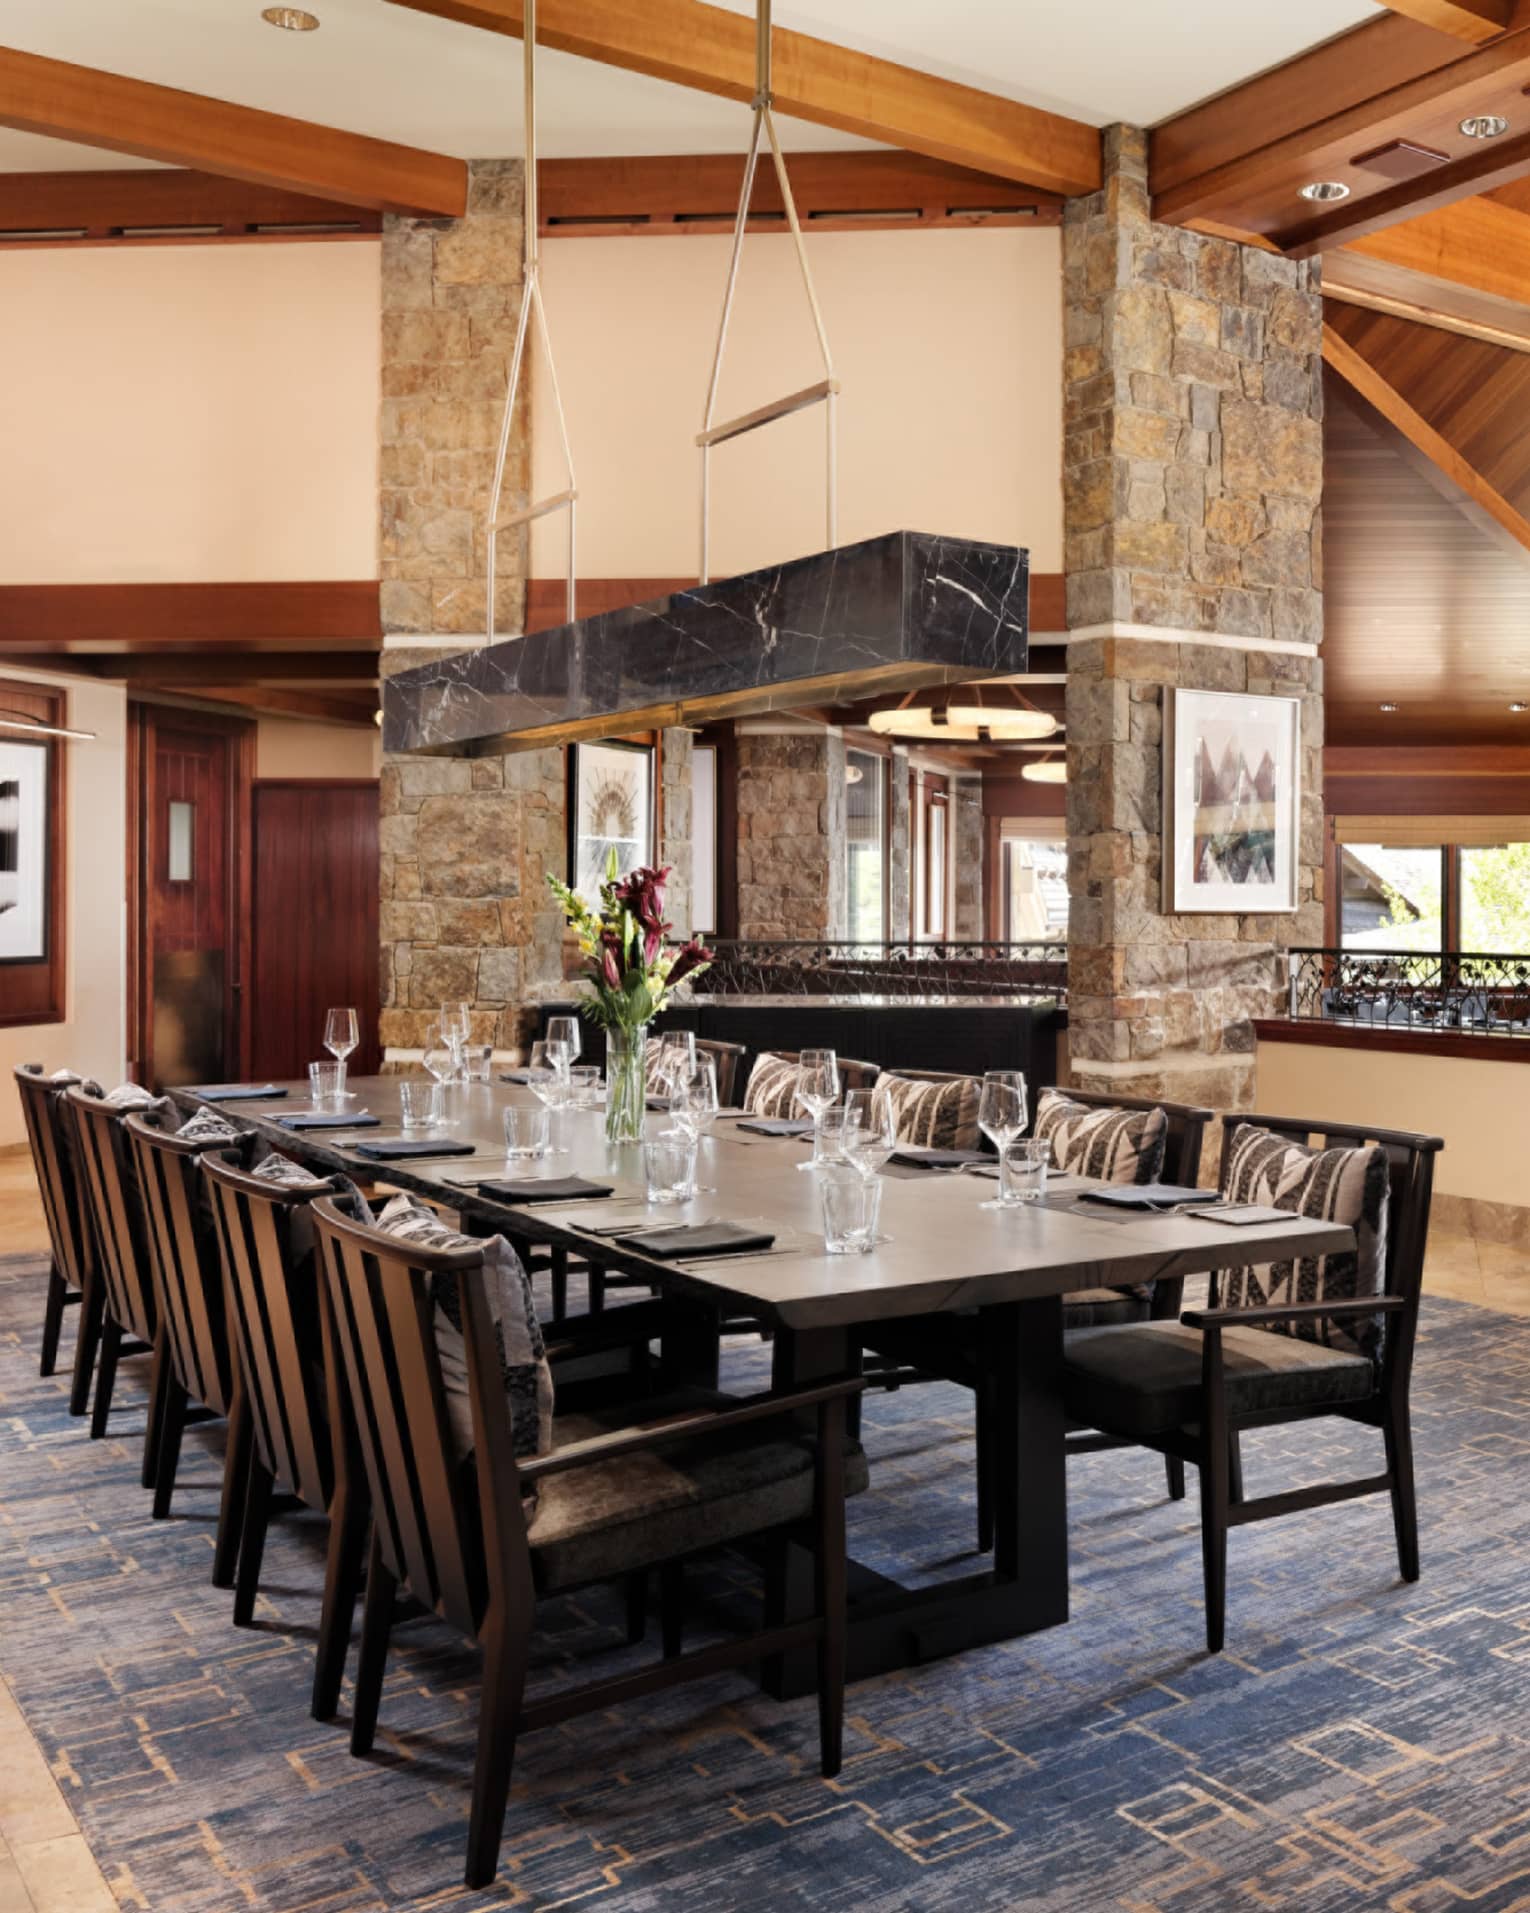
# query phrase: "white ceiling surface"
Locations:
[[384, 70]]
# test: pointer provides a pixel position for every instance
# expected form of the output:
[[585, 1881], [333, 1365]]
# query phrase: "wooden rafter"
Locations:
[[343, 615], [1472, 20], [78, 103], [1465, 268], [139, 207], [712, 49]]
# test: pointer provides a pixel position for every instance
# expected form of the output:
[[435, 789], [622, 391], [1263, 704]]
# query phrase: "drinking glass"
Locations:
[[326, 1084], [871, 1129], [341, 1035], [565, 1030], [851, 1205], [828, 1138], [585, 1083], [669, 1169], [547, 1077], [693, 1104], [420, 1105], [677, 1054], [526, 1130], [1001, 1113], [456, 1028], [477, 1059], [817, 1090], [1022, 1173], [440, 1057]]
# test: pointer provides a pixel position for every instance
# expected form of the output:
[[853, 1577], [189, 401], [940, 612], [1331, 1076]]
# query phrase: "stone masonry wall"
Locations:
[[465, 842], [792, 875], [967, 845], [1193, 469]]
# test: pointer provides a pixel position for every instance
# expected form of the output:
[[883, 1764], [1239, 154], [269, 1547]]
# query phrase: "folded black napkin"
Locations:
[[704, 1238], [514, 1076], [777, 1126], [917, 1158], [1153, 1195], [317, 1119], [400, 1151], [236, 1092], [543, 1188]]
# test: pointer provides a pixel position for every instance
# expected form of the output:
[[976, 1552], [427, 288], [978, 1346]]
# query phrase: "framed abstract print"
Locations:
[[31, 857], [611, 807], [1232, 802]]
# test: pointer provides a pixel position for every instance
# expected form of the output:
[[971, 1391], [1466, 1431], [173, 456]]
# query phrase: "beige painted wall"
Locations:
[[290, 747], [949, 348], [92, 1038], [1481, 1109], [186, 413]]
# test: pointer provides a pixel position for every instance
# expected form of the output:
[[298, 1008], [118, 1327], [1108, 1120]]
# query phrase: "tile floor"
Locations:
[[45, 1865]]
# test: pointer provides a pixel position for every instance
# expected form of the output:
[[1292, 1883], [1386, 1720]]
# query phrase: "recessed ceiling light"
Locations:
[[1323, 190], [1484, 126], [294, 19], [1051, 770], [1519, 709], [1388, 708]]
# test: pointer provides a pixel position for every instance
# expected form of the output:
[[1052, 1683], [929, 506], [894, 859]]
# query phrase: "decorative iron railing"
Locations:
[[746, 967], [1407, 989]]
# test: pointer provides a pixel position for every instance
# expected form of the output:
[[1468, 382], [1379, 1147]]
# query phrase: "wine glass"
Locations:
[[440, 1058], [548, 1078], [677, 1054], [1001, 1112], [457, 1027], [565, 1030], [817, 1090], [341, 1035], [694, 1103], [871, 1129]]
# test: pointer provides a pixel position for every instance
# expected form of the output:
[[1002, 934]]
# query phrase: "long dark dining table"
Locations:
[[939, 1251]]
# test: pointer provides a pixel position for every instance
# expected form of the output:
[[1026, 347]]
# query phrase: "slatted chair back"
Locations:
[[1410, 1173], [1183, 1140], [727, 1057], [53, 1161], [425, 1507], [265, 1240], [183, 1255], [852, 1075], [110, 1184]]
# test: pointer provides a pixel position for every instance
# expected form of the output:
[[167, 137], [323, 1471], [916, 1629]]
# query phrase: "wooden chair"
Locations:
[[71, 1273], [458, 1538], [727, 1057], [190, 1292], [129, 1312], [1188, 1389], [300, 1443], [852, 1075]]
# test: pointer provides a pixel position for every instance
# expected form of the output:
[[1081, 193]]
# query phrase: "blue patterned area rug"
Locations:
[[1360, 1744]]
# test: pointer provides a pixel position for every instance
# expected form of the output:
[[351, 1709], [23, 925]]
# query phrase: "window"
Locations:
[[1034, 874], [866, 846], [1494, 899], [182, 834], [1391, 897]]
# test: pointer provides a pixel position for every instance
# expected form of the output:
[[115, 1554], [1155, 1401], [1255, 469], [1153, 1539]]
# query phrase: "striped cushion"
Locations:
[[772, 1087], [1109, 1145], [1331, 1185], [934, 1115]]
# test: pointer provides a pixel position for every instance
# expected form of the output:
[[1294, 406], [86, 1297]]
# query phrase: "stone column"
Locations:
[[792, 873], [466, 915], [967, 859], [900, 851], [677, 751], [1193, 470]]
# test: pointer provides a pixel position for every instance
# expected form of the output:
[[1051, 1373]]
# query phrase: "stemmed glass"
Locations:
[[817, 1090], [341, 1035], [1001, 1113], [871, 1130], [457, 1027], [677, 1055], [565, 1030], [440, 1057], [694, 1103], [547, 1077]]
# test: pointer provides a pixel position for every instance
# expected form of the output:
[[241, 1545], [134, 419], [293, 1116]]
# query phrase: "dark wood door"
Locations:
[[314, 907]]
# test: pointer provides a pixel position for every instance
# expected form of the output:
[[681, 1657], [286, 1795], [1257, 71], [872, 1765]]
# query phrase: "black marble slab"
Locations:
[[892, 613]]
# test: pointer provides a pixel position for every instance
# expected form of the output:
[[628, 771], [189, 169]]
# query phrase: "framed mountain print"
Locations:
[[1232, 802]]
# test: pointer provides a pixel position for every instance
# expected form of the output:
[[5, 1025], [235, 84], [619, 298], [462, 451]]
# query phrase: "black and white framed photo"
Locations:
[[1232, 801], [25, 790], [611, 807]]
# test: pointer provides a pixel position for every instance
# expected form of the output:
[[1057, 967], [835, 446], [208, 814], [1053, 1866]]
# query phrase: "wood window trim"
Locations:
[[37, 993], [884, 767]]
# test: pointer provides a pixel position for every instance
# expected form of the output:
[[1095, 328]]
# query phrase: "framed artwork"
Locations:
[[1232, 802], [611, 807], [24, 831]]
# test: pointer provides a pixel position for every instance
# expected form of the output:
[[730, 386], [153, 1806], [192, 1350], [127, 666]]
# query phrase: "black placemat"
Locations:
[[236, 1092], [777, 1126], [317, 1119], [408, 1151], [531, 1189], [915, 1158], [705, 1238]]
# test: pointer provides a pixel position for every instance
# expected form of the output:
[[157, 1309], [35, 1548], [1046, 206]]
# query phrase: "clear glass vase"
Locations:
[[626, 1083]]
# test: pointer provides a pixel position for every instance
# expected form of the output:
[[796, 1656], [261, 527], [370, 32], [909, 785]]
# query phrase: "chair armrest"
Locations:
[[613, 1328], [1278, 1312], [631, 1441]]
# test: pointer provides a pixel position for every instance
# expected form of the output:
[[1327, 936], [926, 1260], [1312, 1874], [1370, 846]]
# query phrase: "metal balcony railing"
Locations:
[[907, 970], [1407, 989]]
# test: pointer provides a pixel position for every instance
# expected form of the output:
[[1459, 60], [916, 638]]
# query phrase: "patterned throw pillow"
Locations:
[[934, 1115], [1108, 1145], [206, 1126], [126, 1096], [1331, 1185], [522, 1351], [292, 1175], [772, 1089]]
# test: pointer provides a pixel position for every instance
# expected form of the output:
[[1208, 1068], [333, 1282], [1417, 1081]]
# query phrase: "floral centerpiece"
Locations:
[[632, 970]]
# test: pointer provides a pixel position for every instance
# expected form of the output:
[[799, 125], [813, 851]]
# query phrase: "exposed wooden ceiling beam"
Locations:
[[711, 49], [1473, 20], [1465, 268], [341, 707], [343, 615], [1339, 113], [188, 129], [1358, 372], [119, 204], [336, 670]]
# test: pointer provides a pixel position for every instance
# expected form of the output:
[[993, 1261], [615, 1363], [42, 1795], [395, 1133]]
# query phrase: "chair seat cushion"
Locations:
[[1144, 1379], [613, 1516], [1107, 1308]]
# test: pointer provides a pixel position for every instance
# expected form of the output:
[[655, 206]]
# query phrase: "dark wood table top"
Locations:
[[943, 1250]]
